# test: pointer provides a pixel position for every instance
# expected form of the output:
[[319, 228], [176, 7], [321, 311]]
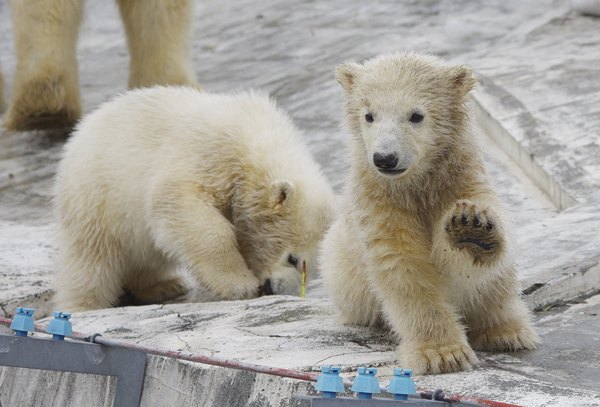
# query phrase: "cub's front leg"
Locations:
[[188, 228], [414, 304], [474, 230]]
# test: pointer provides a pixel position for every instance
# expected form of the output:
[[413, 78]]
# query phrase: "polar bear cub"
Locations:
[[422, 243], [163, 178]]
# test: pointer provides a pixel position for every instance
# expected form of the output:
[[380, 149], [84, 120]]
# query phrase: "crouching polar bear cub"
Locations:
[[422, 242], [166, 177]]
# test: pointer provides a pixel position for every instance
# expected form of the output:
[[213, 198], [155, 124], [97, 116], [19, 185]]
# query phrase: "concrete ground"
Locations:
[[538, 103]]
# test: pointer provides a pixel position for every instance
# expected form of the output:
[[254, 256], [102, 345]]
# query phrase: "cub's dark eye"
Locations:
[[293, 260], [369, 118], [416, 118]]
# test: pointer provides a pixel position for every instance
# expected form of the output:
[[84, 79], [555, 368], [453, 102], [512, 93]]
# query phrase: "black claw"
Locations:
[[490, 225], [476, 221], [465, 220]]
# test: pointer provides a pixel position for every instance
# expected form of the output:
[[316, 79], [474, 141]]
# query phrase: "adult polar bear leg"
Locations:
[[159, 36], [2, 101], [186, 226], [46, 84]]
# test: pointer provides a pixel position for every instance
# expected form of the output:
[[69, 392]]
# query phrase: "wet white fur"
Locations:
[[388, 258], [166, 177]]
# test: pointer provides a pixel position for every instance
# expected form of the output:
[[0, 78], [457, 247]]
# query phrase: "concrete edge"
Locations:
[[493, 129], [41, 302], [575, 283]]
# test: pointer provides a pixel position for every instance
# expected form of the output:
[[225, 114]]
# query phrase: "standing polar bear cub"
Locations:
[[167, 177], [422, 243]]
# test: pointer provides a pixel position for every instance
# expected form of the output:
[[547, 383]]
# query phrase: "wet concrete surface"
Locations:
[[539, 64]]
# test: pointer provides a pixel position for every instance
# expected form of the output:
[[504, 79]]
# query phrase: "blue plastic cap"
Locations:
[[402, 383], [366, 382], [406, 372], [25, 311], [23, 321], [330, 381], [367, 370], [60, 325], [60, 314]]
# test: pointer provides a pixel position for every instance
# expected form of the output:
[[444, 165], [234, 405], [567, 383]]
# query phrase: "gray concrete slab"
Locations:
[[303, 334], [538, 101]]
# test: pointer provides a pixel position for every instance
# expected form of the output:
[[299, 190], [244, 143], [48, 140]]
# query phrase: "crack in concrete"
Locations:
[[263, 336], [342, 354], [248, 332], [188, 348], [158, 379]]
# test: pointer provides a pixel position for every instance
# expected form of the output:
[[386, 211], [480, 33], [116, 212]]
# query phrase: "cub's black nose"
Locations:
[[265, 289], [385, 161]]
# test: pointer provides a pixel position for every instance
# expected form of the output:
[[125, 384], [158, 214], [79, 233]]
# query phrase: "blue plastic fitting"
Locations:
[[402, 385], [23, 321], [366, 383], [330, 382], [60, 326]]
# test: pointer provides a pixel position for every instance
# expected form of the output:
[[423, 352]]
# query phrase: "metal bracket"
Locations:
[[376, 402], [80, 357]]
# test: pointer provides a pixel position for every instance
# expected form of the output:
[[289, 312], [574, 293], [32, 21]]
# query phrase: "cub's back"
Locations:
[[118, 151]]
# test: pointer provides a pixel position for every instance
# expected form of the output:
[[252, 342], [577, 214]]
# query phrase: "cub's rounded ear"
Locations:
[[282, 193], [462, 79], [346, 75]]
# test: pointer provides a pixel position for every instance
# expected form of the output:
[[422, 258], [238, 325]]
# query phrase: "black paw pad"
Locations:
[[489, 225], [476, 221], [483, 245], [464, 220]]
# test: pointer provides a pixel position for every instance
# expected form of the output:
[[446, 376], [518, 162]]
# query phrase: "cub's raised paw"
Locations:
[[505, 339], [474, 230], [435, 359]]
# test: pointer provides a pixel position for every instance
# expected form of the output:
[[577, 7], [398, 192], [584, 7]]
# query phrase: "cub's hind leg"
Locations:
[[156, 282], [501, 321], [343, 271], [90, 270]]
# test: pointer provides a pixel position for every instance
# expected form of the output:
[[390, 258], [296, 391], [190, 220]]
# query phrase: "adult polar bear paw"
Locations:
[[48, 101], [430, 358]]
